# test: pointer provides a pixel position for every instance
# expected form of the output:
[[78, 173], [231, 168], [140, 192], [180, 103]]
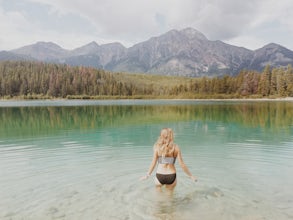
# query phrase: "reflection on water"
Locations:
[[271, 116], [83, 162]]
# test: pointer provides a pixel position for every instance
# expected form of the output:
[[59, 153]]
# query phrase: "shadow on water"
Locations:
[[176, 204], [204, 193]]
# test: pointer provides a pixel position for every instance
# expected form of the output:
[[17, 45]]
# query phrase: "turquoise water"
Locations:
[[83, 159]]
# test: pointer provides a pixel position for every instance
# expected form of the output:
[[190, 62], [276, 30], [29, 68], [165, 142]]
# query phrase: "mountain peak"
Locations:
[[89, 48], [192, 33], [41, 50], [273, 48], [189, 34], [92, 44], [40, 45], [113, 45], [44, 44]]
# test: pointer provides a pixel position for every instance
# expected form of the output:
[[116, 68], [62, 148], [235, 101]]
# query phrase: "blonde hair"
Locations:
[[164, 144]]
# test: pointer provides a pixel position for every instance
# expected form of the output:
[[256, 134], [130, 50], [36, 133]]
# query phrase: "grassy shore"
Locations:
[[150, 97]]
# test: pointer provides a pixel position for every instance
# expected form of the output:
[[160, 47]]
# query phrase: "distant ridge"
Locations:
[[184, 52]]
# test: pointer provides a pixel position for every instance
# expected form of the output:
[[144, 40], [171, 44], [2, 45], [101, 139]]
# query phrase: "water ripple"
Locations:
[[95, 175]]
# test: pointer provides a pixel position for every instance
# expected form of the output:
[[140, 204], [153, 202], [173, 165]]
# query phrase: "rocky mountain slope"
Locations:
[[186, 52]]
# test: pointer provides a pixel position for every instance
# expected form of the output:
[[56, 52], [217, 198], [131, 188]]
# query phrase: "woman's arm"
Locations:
[[183, 165], [152, 166]]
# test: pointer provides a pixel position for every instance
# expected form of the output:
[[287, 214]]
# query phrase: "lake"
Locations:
[[83, 159]]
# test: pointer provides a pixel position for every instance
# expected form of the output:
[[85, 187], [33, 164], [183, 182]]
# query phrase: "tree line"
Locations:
[[26, 79]]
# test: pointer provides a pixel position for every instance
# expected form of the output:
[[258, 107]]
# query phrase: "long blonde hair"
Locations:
[[164, 144]]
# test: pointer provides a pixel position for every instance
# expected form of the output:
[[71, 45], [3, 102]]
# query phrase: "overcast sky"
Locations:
[[74, 23]]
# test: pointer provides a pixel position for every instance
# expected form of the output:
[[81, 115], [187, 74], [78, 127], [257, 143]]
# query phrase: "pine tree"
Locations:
[[265, 81]]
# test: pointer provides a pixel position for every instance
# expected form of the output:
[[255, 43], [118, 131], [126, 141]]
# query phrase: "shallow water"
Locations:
[[83, 159]]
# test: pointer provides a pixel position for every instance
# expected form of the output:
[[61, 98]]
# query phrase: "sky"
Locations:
[[73, 23]]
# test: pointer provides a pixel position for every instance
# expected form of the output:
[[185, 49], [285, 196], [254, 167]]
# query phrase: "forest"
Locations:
[[38, 80]]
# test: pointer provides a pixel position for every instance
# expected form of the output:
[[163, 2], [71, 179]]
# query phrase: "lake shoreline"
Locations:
[[107, 102], [167, 99]]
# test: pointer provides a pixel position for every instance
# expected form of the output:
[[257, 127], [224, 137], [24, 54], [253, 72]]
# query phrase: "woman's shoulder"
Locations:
[[156, 150], [176, 149]]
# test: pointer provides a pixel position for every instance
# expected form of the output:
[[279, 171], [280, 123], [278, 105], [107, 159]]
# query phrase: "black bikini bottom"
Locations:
[[166, 178]]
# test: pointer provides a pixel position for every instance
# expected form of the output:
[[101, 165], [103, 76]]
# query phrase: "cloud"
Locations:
[[12, 24], [273, 22], [138, 19], [130, 20], [72, 22], [226, 19], [28, 23]]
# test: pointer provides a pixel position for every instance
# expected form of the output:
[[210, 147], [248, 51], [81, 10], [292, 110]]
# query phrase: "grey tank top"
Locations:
[[166, 160]]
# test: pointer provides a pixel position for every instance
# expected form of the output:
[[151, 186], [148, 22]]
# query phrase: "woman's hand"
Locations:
[[144, 177], [193, 178]]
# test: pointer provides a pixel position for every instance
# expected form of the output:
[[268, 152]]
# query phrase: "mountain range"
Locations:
[[184, 52]]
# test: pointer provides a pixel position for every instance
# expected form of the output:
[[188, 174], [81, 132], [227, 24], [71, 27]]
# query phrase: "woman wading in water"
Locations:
[[165, 154]]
